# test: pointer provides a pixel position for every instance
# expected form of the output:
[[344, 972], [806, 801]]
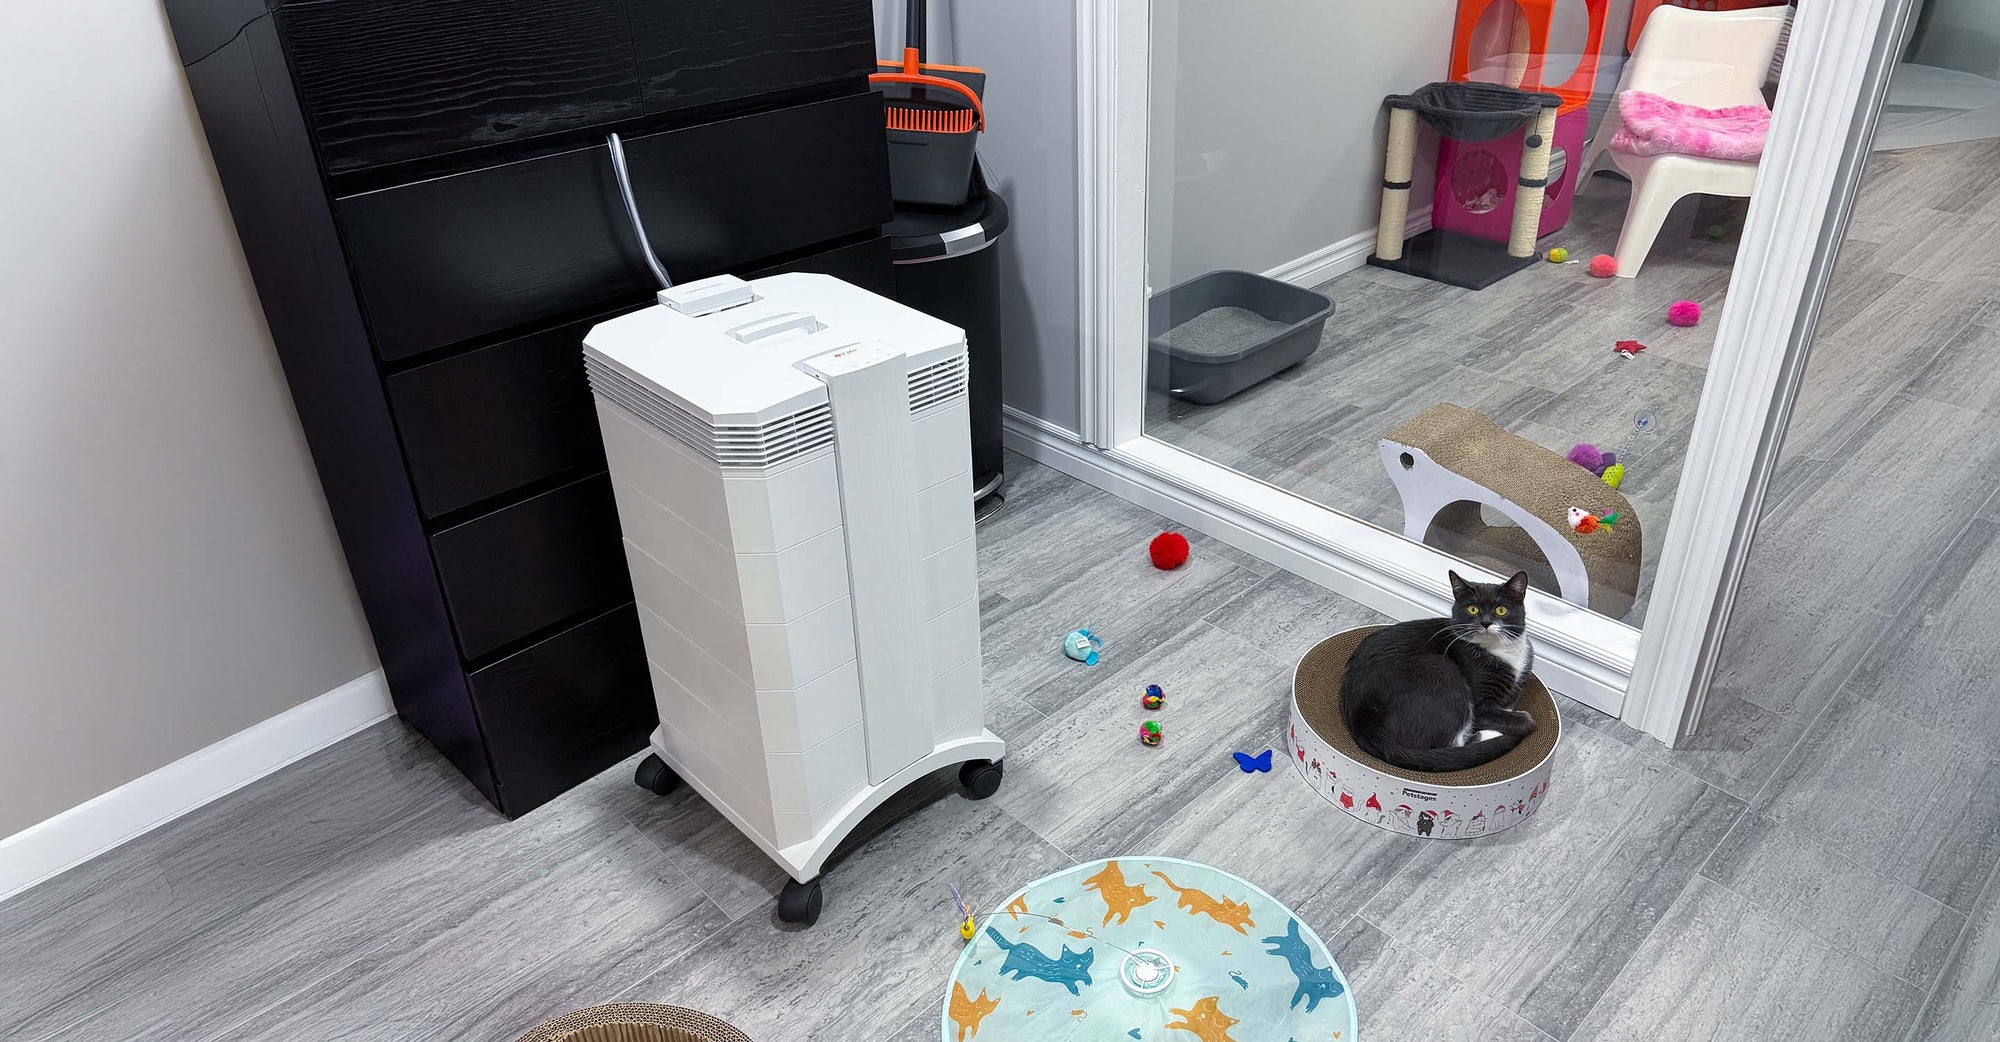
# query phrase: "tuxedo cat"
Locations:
[[1439, 694]]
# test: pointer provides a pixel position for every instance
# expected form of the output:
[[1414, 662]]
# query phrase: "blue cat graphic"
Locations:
[[1315, 983], [1025, 960]]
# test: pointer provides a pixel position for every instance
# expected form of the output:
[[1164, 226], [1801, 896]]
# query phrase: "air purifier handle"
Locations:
[[772, 325]]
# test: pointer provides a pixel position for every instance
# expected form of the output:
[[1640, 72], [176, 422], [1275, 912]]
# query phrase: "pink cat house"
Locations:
[[1476, 179]]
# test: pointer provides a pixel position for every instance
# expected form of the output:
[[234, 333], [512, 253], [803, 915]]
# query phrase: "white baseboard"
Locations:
[[1331, 262], [1013, 417], [135, 808]]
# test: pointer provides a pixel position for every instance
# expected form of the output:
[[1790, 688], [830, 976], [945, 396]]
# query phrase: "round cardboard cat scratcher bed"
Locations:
[[635, 1022], [1454, 805]]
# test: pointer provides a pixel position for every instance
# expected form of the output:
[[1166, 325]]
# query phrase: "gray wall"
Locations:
[[1266, 123], [1958, 34], [1028, 49], [891, 35], [168, 572]]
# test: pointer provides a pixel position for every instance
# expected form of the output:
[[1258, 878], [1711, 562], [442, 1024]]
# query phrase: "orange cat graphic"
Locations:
[[967, 1012], [1233, 914], [1204, 1021], [1120, 897]]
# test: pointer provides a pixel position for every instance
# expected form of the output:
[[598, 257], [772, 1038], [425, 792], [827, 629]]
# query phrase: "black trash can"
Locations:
[[946, 267]]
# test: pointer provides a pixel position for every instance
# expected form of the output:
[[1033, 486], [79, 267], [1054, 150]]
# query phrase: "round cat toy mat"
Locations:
[[1149, 948], [1457, 805]]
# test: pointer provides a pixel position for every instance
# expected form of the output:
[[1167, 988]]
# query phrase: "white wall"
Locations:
[[168, 572]]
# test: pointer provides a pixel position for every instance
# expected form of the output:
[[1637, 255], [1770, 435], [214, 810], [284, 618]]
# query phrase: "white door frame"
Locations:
[[1652, 682]]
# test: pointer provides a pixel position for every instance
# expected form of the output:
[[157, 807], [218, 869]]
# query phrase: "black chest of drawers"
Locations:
[[431, 219]]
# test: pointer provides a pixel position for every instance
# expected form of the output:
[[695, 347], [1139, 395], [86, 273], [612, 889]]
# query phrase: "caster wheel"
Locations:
[[655, 776], [981, 778], [799, 902]]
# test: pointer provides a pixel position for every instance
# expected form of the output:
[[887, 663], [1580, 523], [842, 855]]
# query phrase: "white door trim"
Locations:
[[1789, 238], [1111, 214], [1898, 23], [1828, 59]]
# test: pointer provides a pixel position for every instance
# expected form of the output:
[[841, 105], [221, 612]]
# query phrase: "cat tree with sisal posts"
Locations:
[[1499, 181], [1466, 112], [1474, 181]]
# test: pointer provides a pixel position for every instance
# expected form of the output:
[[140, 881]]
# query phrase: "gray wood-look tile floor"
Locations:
[[1533, 352], [1818, 863]]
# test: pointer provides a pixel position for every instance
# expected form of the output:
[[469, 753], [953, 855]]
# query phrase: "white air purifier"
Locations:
[[792, 463]]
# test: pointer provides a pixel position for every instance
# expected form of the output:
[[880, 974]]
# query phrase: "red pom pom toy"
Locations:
[[1169, 550], [1603, 265]]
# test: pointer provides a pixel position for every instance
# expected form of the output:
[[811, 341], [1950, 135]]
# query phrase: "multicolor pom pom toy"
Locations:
[[1558, 255], [1149, 732], [1154, 698]]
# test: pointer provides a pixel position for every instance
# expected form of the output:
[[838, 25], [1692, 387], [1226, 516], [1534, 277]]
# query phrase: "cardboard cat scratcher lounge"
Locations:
[[1449, 461], [1455, 805]]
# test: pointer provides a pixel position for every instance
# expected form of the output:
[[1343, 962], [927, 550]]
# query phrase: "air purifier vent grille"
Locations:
[[785, 438], [938, 383]]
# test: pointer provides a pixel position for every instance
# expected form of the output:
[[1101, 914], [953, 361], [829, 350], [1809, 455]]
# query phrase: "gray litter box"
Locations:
[[1221, 333]]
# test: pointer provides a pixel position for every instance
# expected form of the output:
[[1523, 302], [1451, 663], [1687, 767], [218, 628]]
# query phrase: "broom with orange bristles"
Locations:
[[934, 116]]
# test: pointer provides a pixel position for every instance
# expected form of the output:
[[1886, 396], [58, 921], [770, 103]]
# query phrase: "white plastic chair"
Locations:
[[1714, 59]]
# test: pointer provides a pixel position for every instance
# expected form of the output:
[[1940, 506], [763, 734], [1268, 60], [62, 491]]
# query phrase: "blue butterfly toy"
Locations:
[[1252, 764]]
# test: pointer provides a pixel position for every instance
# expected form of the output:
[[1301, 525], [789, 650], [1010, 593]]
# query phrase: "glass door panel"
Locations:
[[1511, 375]]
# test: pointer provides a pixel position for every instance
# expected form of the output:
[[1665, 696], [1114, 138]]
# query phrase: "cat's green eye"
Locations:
[[1472, 609], [1499, 611]]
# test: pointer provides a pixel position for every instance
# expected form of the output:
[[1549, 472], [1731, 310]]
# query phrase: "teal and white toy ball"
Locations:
[[1082, 646]]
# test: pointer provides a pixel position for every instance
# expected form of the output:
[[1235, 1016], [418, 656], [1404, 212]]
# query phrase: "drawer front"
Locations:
[[533, 564], [700, 52], [455, 257], [485, 422], [564, 709], [865, 264], [488, 421], [389, 80]]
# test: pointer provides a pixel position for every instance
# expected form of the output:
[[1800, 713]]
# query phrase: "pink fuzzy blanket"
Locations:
[[1653, 125]]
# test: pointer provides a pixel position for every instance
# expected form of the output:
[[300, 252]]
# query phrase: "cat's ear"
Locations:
[[1516, 587], [1460, 589]]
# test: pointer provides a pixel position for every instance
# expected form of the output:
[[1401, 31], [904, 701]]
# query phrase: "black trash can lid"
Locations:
[[916, 235]]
